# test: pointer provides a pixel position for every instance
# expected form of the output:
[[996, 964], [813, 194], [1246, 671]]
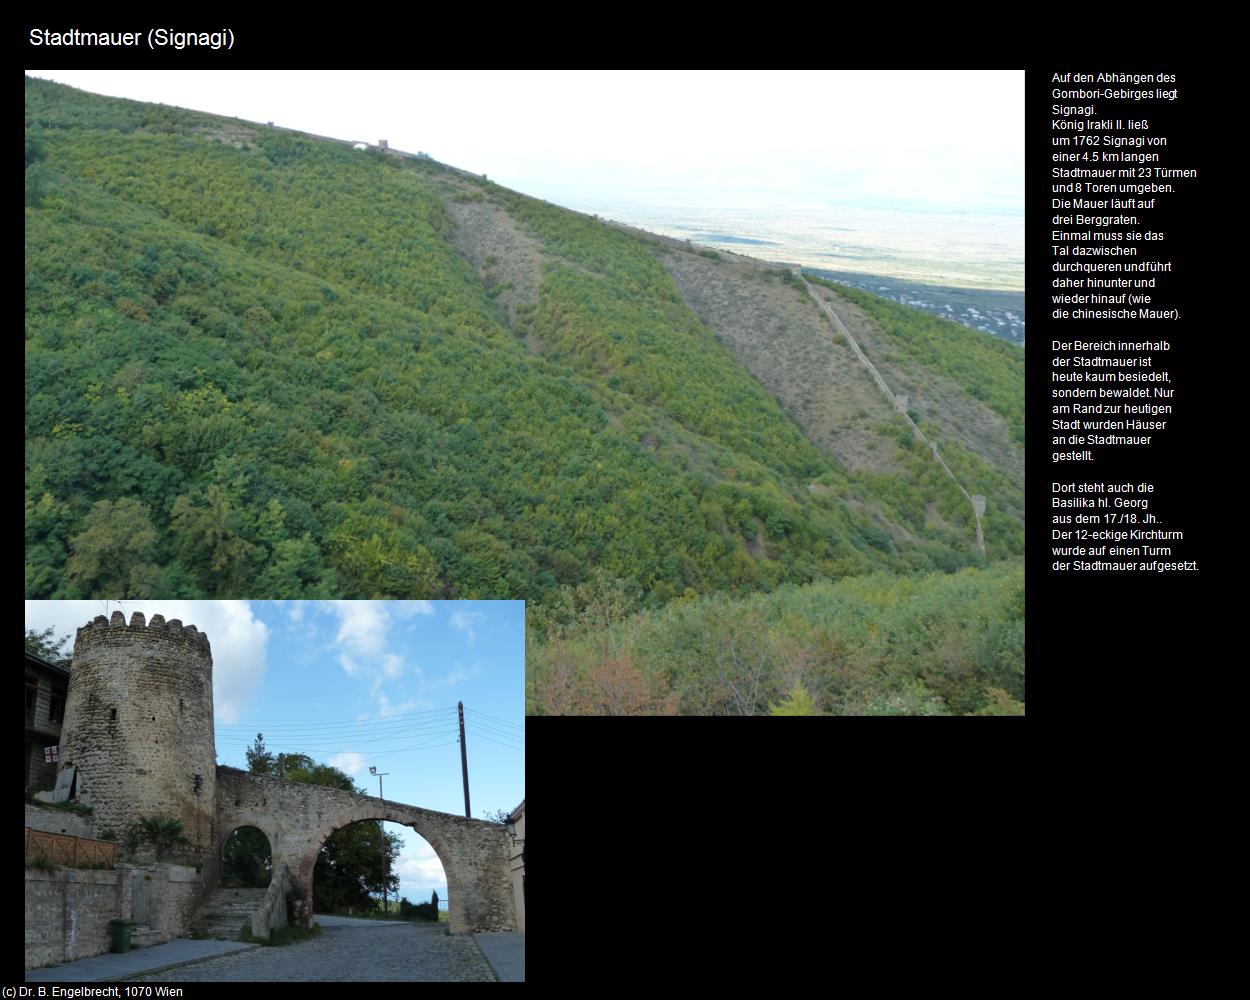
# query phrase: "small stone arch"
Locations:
[[229, 820], [225, 843]]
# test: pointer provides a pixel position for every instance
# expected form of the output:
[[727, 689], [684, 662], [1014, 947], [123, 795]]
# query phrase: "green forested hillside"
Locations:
[[258, 366], [948, 644], [265, 369]]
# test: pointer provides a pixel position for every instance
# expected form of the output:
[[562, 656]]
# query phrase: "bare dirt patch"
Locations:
[[782, 339], [508, 262], [933, 397]]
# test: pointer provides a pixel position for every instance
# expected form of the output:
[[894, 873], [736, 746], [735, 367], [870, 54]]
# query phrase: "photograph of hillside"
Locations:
[[266, 364]]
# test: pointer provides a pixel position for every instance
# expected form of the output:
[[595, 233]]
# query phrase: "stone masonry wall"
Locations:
[[272, 914], [297, 819], [68, 914], [139, 724], [60, 821], [174, 891]]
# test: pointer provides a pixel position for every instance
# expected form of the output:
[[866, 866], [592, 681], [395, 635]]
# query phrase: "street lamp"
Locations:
[[386, 864]]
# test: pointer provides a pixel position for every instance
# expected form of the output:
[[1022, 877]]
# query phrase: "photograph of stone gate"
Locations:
[[138, 741]]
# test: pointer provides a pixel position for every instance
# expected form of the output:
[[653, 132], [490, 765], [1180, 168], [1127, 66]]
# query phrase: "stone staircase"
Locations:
[[142, 936], [226, 911]]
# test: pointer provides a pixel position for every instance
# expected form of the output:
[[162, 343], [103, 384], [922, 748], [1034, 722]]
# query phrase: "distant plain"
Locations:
[[963, 266]]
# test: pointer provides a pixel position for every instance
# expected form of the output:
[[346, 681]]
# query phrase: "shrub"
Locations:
[[162, 832]]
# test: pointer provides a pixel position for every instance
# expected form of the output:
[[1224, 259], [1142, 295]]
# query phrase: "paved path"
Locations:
[[505, 950], [103, 968], [348, 950]]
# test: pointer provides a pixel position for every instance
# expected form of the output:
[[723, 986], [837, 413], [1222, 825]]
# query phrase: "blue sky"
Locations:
[[360, 683]]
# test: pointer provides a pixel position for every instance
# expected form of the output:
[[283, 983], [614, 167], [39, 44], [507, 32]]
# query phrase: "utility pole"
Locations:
[[464, 762], [386, 861]]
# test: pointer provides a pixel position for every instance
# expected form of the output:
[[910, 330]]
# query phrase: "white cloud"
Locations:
[[419, 870], [362, 626], [458, 675], [392, 665], [239, 640], [386, 709], [419, 861], [462, 621], [349, 761], [364, 643]]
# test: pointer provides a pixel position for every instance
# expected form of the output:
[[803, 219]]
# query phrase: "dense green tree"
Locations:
[[259, 759], [246, 859], [113, 556], [45, 644]]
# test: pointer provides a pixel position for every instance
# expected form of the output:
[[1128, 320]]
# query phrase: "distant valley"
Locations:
[[998, 312], [927, 261]]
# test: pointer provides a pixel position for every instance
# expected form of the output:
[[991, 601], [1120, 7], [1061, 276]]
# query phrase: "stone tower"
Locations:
[[139, 724]]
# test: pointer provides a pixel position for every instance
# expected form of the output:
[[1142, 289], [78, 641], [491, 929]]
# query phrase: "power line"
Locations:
[[505, 722], [280, 724], [508, 745], [300, 748], [366, 735], [479, 728], [428, 746]]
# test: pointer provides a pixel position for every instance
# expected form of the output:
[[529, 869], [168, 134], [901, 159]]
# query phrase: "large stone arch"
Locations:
[[456, 915], [297, 818]]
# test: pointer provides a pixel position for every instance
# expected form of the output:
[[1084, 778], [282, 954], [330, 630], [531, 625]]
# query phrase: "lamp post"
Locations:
[[386, 867]]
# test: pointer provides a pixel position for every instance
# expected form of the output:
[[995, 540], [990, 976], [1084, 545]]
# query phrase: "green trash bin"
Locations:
[[121, 934]]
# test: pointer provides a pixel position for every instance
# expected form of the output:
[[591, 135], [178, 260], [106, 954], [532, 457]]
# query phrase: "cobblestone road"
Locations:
[[349, 951]]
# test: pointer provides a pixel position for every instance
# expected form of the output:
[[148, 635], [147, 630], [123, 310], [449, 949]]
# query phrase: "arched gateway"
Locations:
[[138, 736], [297, 819]]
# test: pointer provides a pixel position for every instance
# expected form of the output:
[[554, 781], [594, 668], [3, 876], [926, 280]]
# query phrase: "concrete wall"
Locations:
[[59, 821], [139, 724], [68, 914], [297, 819]]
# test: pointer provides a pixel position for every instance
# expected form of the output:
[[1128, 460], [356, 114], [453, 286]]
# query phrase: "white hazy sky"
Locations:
[[948, 140]]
